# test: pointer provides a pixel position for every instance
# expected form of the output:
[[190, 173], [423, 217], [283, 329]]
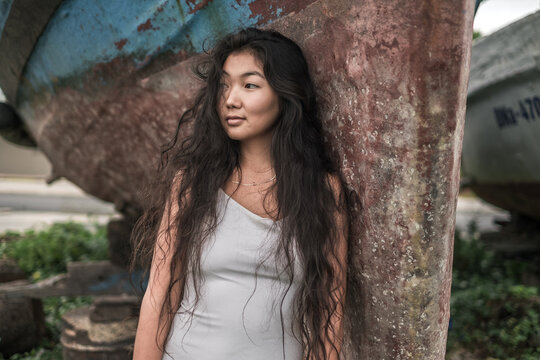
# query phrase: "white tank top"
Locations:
[[238, 315]]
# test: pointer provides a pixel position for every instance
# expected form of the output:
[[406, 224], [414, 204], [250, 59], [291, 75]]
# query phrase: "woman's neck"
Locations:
[[255, 158]]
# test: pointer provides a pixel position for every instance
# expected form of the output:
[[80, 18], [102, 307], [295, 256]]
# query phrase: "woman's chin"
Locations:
[[234, 135]]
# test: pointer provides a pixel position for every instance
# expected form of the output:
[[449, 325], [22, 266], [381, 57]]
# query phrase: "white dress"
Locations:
[[238, 315]]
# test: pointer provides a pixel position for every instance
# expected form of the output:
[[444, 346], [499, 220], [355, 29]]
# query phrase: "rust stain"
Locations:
[[195, 6], [146, 26], [153, 104], [120, 44], [392, 96], [106, 69], [262, 8]]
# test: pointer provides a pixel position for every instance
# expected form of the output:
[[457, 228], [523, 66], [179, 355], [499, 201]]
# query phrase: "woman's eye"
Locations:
[[251, 86], [223, 85]]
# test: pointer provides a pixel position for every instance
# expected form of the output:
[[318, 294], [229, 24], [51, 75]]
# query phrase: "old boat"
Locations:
[[98, 86], [501, 143]]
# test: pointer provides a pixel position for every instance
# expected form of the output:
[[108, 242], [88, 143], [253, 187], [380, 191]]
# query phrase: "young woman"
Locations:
[[247, 243]]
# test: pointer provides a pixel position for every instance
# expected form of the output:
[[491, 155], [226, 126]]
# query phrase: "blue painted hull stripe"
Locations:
[[5, 8]]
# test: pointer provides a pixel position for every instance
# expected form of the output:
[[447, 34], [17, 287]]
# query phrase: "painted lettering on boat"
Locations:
[[527, 109]]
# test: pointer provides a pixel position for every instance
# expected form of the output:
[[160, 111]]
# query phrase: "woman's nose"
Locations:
[[232, 98]]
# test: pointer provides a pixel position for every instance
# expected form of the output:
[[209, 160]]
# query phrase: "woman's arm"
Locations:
[[340, 267], [146, 346]]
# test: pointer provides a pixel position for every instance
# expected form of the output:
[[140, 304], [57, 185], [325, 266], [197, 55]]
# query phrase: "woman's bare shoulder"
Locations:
[[176, 182], [335, 183]]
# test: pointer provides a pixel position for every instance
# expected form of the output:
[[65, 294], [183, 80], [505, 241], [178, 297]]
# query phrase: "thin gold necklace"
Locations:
[[264, 171], [254, 184]]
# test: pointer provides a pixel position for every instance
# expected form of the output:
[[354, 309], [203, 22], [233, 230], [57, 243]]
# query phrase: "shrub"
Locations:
[[44, 253], [493, 314]]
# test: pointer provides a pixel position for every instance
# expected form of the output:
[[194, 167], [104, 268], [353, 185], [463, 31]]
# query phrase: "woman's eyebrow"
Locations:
[[246, 74]]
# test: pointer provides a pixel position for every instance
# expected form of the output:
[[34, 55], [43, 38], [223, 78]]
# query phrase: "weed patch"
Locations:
[[493, 314], [44, 253]]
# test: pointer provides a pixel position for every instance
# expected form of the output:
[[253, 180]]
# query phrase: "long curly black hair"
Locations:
[[306, 178]]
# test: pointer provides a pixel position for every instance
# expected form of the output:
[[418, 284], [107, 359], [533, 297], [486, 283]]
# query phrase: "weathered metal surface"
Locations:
[[501, 151], [22, 321], [114, 308], [391, 79], [5, 8], [86, 38], [123, 84], [18, 35], [84, 339], [22, 325]]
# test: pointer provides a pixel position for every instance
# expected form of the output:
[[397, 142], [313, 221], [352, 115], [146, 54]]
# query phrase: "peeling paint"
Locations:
[[120, 44], [172, 26], [196, 5], [146, 26]]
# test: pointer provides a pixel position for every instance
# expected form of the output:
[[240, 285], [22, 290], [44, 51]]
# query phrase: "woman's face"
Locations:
[[248, 107]]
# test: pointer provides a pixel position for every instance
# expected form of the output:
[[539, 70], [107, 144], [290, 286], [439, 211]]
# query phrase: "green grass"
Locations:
[[41, 254], [494, 315]]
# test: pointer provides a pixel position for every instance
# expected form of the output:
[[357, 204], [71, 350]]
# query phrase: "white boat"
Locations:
[[501, 143]]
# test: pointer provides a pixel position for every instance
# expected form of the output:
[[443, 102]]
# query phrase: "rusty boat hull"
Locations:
[[391, 79], [99, 85], [501, 147]]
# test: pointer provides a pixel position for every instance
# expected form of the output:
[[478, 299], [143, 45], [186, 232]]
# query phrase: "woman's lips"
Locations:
[[234, 121]]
